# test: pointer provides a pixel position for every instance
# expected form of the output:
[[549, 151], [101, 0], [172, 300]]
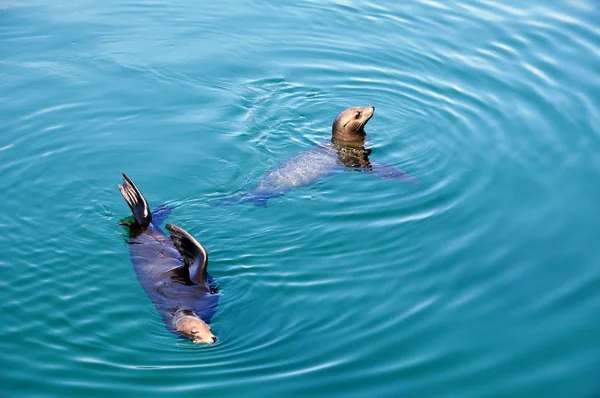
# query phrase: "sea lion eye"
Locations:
[[357, 116]]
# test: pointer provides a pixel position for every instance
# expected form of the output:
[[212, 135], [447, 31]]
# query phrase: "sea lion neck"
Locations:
[[352, 154], [348, 137], [358, 143]]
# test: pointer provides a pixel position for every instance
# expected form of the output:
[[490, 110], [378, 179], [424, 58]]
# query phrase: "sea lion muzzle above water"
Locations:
[[172, 270], [349, 125], [345, 151]]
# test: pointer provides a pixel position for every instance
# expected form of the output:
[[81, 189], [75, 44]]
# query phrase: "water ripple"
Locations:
[[479, 281]]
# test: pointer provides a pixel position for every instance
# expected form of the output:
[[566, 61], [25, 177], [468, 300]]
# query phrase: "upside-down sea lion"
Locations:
[[172, 270], [345, 151]]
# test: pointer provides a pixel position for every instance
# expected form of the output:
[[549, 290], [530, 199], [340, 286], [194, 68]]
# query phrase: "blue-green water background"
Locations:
[[481, 281]]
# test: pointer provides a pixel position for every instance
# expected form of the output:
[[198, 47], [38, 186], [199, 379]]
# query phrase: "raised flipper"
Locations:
[[194, 254], [391, 173], [137, 203], [160, 214]]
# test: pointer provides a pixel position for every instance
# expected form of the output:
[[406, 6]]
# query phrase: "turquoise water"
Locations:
[[481, 281]]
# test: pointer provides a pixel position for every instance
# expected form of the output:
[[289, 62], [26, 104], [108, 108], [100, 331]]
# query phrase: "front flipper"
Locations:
[[391, 173], [194, 254]]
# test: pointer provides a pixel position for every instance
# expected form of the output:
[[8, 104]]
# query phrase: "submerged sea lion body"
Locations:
[[171, 270], [300, 170], [345, 151]]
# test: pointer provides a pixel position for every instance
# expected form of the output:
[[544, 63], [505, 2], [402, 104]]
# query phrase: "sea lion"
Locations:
[[346, 150], [172, 271]]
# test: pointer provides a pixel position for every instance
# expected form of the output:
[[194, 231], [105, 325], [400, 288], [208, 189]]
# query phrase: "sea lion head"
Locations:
[[349, 125], [191, 326]]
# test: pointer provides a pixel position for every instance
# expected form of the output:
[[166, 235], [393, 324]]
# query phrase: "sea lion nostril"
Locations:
[[214, 339]]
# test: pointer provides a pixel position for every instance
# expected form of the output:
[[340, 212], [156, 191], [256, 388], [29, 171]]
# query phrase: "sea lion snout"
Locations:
[[368, 112], [191, 326], [349, 124], [196, 334]]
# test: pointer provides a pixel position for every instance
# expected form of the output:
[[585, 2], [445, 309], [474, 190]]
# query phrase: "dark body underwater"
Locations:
[[346, 151], [171, 270]]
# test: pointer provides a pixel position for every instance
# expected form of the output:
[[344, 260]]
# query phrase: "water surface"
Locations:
[[481, 281]]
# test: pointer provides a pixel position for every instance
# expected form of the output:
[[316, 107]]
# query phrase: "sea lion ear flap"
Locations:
[[194, 254]]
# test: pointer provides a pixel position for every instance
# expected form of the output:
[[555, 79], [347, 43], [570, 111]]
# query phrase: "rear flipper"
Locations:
[[230, 201], [259, 200], [137, 203], [391, 173], [160, 214]]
